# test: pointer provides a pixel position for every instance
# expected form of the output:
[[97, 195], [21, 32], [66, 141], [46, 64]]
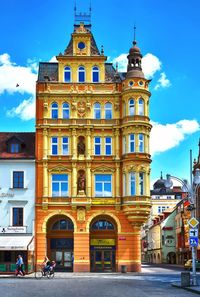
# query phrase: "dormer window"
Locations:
[[14, 148]]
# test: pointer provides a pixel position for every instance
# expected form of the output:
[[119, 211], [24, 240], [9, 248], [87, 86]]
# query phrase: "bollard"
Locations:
[[185, 279]]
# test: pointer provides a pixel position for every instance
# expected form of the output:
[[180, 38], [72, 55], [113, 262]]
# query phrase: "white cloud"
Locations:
[[25, 110], [12, 75], [165, 137], [122, 62], [163, 81], [150, 65], [53, 59]]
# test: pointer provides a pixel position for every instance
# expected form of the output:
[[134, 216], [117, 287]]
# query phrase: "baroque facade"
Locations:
[[92, 158]]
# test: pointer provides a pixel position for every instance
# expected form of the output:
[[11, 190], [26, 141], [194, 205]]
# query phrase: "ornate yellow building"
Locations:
[[93, 162]]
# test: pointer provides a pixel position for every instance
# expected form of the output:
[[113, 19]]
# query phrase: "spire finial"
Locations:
[[134, 41], [161, 177], [90, 9], [75, 6]]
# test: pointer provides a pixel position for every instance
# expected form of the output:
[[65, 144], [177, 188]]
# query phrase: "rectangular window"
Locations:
[[124, 184], [108, 146], [65, 145], [132, 186], [14, 147], [103, 185], [131, 143], [18, 179], [54, 145], [17, 216], [97, 146], [159, 209], [141, 143], [141, 183], [60, 185], [124, 144]]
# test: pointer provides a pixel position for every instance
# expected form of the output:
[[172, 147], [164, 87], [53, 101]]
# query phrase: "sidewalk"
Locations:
[[192, 289]]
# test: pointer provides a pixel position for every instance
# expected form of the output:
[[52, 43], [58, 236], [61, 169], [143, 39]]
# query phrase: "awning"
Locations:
[[14, 243]]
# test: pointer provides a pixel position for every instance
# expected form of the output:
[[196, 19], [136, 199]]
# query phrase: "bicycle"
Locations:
[[40, 273]]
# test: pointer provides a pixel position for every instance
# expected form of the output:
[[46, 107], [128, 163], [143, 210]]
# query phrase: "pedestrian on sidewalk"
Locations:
[[20, 265]]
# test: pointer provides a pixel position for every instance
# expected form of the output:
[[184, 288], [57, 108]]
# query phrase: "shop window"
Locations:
[[108, 111], [67, 74], [65, 109], [17, 216], [102, 225], [59, 185], [18, 179], [95, 74], [103, 185], [54, 110]]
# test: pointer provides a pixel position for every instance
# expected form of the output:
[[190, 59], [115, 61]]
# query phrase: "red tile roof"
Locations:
[[27, 139]]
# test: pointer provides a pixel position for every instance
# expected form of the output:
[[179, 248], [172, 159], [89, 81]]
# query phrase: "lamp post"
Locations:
[[192, 193]]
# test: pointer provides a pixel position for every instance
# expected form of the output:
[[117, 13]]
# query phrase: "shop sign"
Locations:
[[8, 195], [13, 229], [102, 242]]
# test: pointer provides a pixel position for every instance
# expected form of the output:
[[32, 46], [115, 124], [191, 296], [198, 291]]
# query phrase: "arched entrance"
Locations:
[[171, 258], [60, 242], [103, 235]]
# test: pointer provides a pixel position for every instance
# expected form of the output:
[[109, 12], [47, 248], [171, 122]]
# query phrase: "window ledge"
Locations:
[[18, 188]]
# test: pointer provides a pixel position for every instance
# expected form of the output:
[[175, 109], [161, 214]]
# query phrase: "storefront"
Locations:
[[60, 242], [11, 247], [102, 246]]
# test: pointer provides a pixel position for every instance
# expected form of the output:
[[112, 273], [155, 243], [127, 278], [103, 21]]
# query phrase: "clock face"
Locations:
[[81, 45]]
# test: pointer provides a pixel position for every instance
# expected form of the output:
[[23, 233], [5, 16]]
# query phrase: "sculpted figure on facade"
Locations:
[[81, 181], [81, 146]]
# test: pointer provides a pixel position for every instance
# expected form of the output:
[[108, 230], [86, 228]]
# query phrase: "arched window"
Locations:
[[63, 224], [67, 74], [81, 74], [141, 107], [65, 109], [97, 110], [95, 74], [108, 111], [131, 107], [54, 110], [102, 225]]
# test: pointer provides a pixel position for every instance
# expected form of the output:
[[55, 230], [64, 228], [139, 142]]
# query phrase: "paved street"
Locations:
[[154, 281]]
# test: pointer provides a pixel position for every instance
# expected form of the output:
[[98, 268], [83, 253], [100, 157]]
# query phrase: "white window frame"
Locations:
[[67, 144], [100, 144], [131, 105], [108, 109], [95, 109], [54, 144], [141, 181], [141, 107], [60, 185], [65, 108], [130, 142], [103, 183], [69, 71], [141, 142], [130, 182], [108, 144]]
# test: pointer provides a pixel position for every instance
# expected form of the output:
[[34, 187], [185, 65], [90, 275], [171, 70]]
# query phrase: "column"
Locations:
[[74, 144], [118, 182], [74, 180], [45, 180], [45, 144], [116, 153], [88, 153], [88, 180]]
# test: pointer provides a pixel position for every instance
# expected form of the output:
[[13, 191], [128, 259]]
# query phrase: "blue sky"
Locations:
[[167, 34]]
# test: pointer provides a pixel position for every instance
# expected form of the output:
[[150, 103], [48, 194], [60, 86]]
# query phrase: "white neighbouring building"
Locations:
[[17, 199]]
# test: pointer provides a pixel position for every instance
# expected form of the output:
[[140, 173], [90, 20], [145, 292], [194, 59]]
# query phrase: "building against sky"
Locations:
[[92, 157], [17, 200]]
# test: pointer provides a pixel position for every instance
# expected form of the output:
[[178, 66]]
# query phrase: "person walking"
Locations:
[[20, 265]]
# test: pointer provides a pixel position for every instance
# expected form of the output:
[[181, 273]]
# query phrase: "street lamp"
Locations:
[[192, 193]]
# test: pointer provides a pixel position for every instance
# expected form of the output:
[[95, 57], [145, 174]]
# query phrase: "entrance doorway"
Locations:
[[60, 242], [103, 261], [103, 245]]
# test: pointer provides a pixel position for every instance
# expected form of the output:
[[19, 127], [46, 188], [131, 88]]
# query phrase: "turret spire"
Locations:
[[134, 68]]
